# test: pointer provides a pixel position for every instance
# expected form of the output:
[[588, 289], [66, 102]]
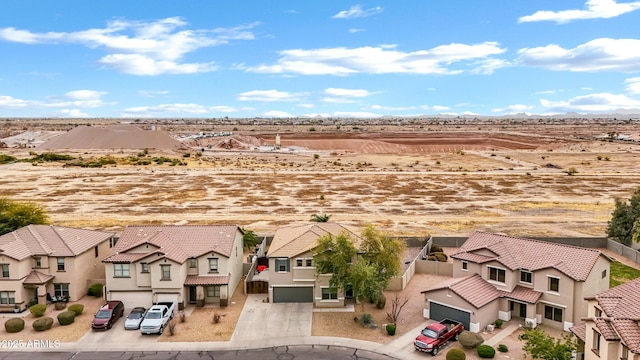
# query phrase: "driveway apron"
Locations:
[[266, 321]]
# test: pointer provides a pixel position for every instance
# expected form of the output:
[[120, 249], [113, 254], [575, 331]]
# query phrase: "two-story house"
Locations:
[[611, 329], [500, 277], [194, 264], [40, 259], [292, 272]]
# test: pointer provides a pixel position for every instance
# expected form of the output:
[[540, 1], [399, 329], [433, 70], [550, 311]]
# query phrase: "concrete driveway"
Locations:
[[266, 321], [117, 334]]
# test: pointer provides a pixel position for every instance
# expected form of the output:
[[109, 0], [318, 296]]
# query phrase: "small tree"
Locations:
[[320, 217], [623, 226], [250, 239], [334, 255], [542, 346], [14, 215], [396, 307]]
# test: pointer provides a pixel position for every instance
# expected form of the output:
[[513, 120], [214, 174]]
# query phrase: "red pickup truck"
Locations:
[[437, 335]]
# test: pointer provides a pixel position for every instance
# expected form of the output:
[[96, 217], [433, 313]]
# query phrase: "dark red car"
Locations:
[[108, 315]]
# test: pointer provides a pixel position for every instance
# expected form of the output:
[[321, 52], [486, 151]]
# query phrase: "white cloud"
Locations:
[[337, 92], [378, 60], [547, 92], [488, 66], [74, 113], [633, 85], [269, 96], [602, 54], [595, 9], [356, 11], [152, 93], [139, 47], [168, 108], [513, 109], [353, 31], [306, 106], [222, 109], [72, 99], [278, 114], [334, 100], [435, 107], [601, 102]]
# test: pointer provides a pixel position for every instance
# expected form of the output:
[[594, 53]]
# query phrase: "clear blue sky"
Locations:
[[276, 58]]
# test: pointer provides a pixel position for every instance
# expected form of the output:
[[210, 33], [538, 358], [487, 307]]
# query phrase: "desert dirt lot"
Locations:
[[412, 183]]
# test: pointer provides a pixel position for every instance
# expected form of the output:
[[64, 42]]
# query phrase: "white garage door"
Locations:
[[160, 297], [132, 299]]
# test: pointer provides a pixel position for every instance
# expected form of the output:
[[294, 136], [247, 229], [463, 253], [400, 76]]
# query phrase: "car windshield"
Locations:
[[103, 314], [135, 315], [153, 315], [429, 333]]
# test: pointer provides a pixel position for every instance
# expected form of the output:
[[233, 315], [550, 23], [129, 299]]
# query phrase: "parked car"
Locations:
[[135, 317], [157, 318], [437, 335], [107, 315]]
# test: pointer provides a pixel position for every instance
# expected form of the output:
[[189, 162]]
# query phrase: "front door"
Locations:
[[523, 310], [35, 295], [192, 294]]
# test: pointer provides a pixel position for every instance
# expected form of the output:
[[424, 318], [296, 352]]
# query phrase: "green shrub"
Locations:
[[14, 325], [60, 305], [76, 309], [38, 310], [486, 351], [456, 354], [439, 256], [381, 302], [435, 248], [366, 319], [66, 317], [5, 159], [498, 323], [95, 290], [470, 340], [42, 324], [503, 348], [391, 329]]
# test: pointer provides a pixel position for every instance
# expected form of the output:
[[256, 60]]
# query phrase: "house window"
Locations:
[[282, 265], [38, 261], [213, 291], [465, 266], [553, 313], [144, 267], [193, 263], [298, 262], [554, 284], [61, 289], [329, 293], [625, 352], [121, 270], [309, 262], [496, 274], [95, 251], [604, 273], [526, 277], [7, 297], [213, 265], [598, 312], [60, 264], [596, 342], [166, 272], [5, 270]]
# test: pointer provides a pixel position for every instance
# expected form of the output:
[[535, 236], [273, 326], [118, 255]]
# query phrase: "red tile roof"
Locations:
[[473, 289], [129, 258], [528, 254], [605, 327], [207, 280], [522, 293], [580, 331], [289, 241], [37, 278], [177, 243], [629, 331], [49, 240]]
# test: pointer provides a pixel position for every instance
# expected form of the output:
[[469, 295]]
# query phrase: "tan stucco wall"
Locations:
[[594, 284], [472, 268]]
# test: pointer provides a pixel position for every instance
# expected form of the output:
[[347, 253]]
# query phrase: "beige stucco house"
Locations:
[[40, 259], [611, 329], [181, 264], [292, 272], [501, 277]]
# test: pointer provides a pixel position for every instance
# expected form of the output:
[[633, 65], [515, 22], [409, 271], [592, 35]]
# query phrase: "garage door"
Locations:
[[132, 299], [439, 312], [168, 297], [292, 294]]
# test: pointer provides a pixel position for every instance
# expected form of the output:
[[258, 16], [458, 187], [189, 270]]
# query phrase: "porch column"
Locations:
[[199, 296]]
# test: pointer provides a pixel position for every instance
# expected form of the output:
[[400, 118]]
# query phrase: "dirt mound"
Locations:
[[112, 137]]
